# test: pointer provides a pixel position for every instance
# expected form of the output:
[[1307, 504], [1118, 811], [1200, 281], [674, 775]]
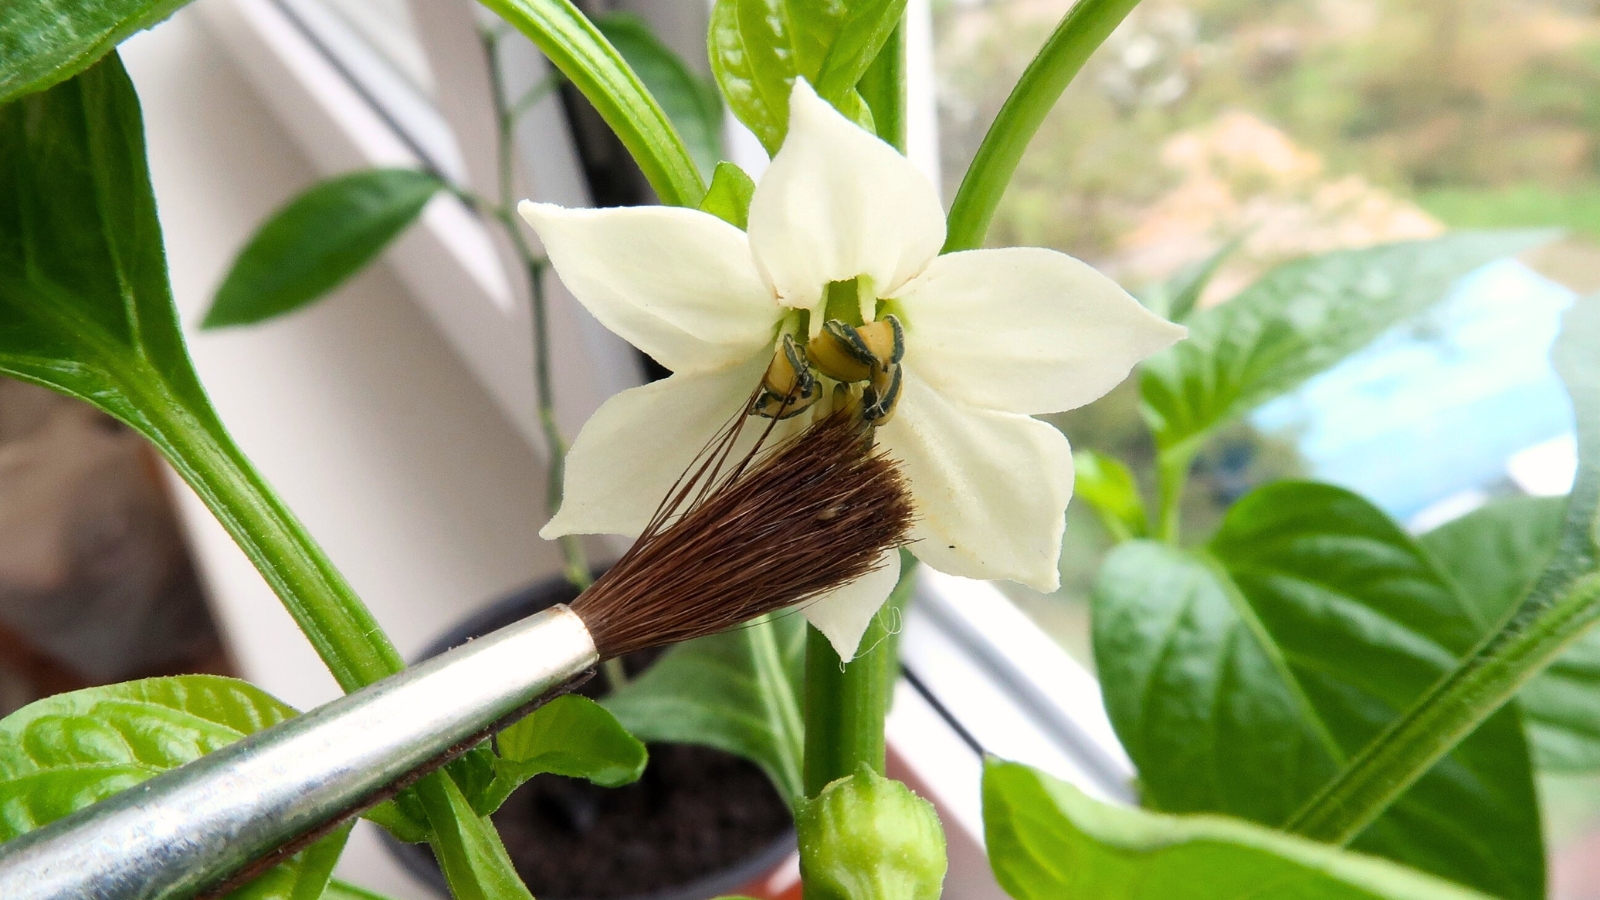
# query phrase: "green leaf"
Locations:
[[690, 100], [85, 309], [758, 47], [1493, 555], [45, 42], [317, 240], [738, 691], [1299, 319], [62, 753], [728, 198], [1176, 297], [1243, 675], [1109, 486], [571, 736], [474, 861], [344, 890], [1048, 841], [1561, 606], [576, 47]]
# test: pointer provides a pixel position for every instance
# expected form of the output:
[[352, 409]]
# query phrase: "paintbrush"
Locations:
[[748, 530]]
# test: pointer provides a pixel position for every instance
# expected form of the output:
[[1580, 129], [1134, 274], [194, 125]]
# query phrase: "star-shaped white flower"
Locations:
[[991, 338]]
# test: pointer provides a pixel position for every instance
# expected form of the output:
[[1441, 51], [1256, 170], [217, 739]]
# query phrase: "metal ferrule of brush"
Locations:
[[186, 830]]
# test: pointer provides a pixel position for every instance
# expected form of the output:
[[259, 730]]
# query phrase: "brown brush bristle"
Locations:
[[742, 537]]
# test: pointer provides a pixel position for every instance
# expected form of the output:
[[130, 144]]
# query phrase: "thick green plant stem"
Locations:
[[1082, 29], [1529, 642], [595, 67], [846, 703], [335, 621]]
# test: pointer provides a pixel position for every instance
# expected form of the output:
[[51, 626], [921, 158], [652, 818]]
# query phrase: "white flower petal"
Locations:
[[678, 284], [837, 203], [990, 488], [843, 615], [1025, 330], [639, 442]]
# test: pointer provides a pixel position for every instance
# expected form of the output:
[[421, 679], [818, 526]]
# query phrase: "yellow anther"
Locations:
[[781, 377], [838, 353], [882, 338], [788, 387]]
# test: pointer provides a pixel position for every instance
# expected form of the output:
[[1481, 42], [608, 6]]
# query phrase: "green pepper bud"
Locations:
[[867, 837]]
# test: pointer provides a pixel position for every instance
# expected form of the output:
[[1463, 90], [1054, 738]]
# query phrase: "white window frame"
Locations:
[[982, 677]]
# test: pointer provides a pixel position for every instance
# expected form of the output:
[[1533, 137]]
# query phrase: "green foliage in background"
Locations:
[[1241, 676], [738, 691]]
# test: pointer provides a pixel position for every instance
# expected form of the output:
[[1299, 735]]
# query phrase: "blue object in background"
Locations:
[[1436, 405]]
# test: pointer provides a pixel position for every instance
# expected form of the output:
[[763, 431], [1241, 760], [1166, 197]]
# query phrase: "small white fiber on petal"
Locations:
[[1025, 330], [843, 615], [990, 488], [639, 442], [678, 284], [837, 203]]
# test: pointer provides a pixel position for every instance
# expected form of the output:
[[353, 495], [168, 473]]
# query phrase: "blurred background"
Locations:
[[1281, 127], [1301, 126]]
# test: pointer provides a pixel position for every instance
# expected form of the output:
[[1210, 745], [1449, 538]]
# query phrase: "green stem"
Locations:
[[1172, 476], [335, 621], [575, 560], [846, 703], [1082, 29], [595, 67], [1450, 711]]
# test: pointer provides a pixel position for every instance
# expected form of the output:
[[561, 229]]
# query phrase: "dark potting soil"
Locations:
[[696, 811]]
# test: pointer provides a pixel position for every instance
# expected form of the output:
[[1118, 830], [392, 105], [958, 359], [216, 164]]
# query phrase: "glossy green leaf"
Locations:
[[1299, 319], [576, 47], [45, 42], [317, 240], [1558, 610], [1049, 841], [571, 736], [62, 753], [728, 198], [85, 309], [689, 99], [758, 47], [738, 691], [1241, 676], [1493, 555], [1108, 486]]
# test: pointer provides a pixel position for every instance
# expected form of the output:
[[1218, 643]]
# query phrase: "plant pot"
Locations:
[[700, 824]]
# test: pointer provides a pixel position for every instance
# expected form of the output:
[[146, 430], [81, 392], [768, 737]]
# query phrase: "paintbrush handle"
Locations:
[[191, 828]]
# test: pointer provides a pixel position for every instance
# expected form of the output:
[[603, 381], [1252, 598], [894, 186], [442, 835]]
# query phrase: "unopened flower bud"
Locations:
[[867, 837]]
